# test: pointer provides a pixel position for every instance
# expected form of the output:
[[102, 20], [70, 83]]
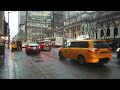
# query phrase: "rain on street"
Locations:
[[51, 36], [48, 66]]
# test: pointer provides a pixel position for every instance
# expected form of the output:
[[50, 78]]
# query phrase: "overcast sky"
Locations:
[[13, 22]]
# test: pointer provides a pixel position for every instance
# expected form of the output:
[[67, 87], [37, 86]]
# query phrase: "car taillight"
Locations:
[[93, 50], [39, 47], [110, 49], [29, 47], [43, 44], [96, 49]]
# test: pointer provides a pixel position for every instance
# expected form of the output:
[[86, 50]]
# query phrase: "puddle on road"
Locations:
[[12, 56]]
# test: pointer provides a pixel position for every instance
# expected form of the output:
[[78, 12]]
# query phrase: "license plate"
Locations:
[[34, 47]]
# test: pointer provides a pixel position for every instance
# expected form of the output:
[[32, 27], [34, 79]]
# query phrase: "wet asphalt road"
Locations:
[[48, 66]]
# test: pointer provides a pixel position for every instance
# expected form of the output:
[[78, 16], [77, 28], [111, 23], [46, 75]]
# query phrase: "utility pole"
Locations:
[[26, 25], [41, 28], [53, 19], [53, 23], [8, 32]]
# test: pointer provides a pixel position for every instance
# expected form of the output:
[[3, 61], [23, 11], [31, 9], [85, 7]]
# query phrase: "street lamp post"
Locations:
[[41, 22], [8, 31], [26, 25]]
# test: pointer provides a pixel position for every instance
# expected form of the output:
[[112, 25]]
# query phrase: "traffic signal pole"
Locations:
[[26, 25]]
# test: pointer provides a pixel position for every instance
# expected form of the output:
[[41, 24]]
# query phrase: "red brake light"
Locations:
[[29, 47], [93, 50], [43, 44], [110, 49], [89, 50], [96, 49]]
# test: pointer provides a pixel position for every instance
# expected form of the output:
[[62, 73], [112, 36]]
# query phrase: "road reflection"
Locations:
[[91, 71], [12, 55]]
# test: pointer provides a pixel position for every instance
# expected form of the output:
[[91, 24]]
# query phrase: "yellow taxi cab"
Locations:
[[14, 45], [86, 51]]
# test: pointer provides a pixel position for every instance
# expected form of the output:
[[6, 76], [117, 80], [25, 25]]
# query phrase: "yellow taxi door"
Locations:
[[71, 50], [66, 50]]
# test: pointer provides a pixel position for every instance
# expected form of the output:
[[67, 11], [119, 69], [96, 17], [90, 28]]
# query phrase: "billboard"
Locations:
[[1, 22]]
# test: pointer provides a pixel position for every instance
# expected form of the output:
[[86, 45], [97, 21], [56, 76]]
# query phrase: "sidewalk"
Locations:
[[7, 66], [4, 68]]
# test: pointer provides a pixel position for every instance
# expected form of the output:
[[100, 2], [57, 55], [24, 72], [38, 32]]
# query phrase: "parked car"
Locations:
[[32, 48], [45, 45], [86, 51]]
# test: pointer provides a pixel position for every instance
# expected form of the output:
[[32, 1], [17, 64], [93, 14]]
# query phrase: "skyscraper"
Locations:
[[38, 24]]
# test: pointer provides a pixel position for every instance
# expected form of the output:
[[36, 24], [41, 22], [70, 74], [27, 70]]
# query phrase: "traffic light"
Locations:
[[101, 33]]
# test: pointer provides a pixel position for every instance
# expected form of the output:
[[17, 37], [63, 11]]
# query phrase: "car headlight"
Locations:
[[118, 49]]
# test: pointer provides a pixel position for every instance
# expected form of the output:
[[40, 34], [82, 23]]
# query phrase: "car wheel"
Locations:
[[81, 60], [38, 53], [13, 49], [27, 53], [61, 55]]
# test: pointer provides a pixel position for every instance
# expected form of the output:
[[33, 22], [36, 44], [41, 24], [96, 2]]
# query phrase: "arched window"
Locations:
[[101, 33], [115, 31], [108, 32]]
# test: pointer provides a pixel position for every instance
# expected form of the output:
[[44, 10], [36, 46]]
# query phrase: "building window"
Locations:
[[101, 33], [108, 32], [115, 31]]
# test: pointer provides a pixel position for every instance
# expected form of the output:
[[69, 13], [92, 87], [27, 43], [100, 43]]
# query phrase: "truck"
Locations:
[[2, 43], [59, 41]]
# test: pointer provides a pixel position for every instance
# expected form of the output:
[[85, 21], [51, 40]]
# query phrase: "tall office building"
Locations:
[[57, 20], [38, 25], [21, 23]]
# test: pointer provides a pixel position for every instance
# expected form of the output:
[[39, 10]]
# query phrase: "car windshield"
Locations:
[[33, 44], [100, 45], [46, 42], [41, 43]]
